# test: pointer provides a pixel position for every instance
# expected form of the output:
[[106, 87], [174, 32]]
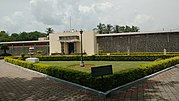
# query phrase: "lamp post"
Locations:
[[81, 62]]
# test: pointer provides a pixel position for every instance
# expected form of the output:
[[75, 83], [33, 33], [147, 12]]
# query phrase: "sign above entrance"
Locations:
[[68, 38]]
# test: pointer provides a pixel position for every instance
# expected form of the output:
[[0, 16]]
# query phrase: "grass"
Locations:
[[116, 65]]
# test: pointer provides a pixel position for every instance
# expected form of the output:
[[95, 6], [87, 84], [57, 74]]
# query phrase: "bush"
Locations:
[[22, 57], [56, 53], [39, 53], [5, 54], [86, 79], [1, 57], [141, 53], [104, 58]]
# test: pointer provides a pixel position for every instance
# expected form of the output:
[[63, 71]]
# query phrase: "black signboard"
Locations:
[[101, 70]]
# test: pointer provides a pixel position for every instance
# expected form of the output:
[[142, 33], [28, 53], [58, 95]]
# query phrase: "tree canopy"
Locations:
[[108, 28], [4, 48], [24, 36], [49, 30]]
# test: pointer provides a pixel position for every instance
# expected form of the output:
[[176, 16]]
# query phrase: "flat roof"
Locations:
[[136, 33], [14, 42]]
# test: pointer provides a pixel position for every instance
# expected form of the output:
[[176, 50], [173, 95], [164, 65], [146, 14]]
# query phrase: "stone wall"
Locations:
[[17, 50], [147, 42]]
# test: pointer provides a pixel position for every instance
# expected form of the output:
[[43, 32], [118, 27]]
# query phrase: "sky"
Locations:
[[36, 15]]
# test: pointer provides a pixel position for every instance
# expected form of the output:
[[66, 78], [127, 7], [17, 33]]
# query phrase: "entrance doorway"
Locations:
[[71, 48]]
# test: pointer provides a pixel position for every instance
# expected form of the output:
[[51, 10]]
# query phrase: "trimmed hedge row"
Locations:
[[104, 58], [75, 76], [1, 57], [141, 53], [108, 82]]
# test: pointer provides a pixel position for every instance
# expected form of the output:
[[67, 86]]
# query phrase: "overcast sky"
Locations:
[[30, 15]]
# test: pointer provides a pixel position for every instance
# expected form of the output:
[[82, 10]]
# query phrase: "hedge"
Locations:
[[140, 53], [1, 57], [104, 58], [86, 79]]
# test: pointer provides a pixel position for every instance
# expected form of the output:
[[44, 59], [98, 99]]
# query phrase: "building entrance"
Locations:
[[71, 48]]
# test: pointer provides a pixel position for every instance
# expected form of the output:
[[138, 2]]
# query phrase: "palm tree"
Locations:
[[4, 48], [49, 30], [109, 28], [101, 28], [135, 29], [116, 29]]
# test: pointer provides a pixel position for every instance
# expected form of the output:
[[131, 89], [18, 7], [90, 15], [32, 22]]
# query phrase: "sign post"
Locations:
[[100, 71]]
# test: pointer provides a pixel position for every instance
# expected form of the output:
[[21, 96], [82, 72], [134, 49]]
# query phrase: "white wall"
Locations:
[[55, 46], [89, 42]]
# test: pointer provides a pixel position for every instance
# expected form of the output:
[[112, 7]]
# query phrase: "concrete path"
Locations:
[[19, 85]]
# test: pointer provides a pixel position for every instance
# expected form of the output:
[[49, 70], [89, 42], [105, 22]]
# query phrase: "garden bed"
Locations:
[[116, 65], [86, 79]]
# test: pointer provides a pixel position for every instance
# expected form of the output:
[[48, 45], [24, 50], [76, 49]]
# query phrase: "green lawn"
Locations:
[[116, 65]]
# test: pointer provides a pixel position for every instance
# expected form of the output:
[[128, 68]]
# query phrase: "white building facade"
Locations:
[[70, 42]]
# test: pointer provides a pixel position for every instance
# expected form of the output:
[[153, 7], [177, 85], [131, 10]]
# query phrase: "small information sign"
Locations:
[[101, 70]]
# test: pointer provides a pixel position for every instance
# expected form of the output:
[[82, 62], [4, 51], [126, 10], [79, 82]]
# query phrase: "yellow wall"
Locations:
[[89, 42], [55, 46]]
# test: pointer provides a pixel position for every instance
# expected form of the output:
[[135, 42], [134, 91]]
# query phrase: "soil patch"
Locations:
[[78, 66]]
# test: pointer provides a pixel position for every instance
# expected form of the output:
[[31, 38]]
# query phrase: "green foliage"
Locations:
[[108, 82], [108, 28], [4, 48], [49, 30], [22, 57], [4, 37], [70, 54], [100, 52], [56, 53], [39, 53], [5, 54], [105, 58], [24, 36], [139, 53], [1, 57]]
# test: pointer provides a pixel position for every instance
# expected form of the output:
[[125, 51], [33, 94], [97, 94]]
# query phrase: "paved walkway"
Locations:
[[20, 85]]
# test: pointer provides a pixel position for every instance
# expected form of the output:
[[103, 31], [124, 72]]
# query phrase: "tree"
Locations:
[[116, 29], [4, 37], [100, 28], [128, 29], [109, 28], [104, 29], [135, 28], [24, 36], [14, 36], [49, 30], [4, 48]]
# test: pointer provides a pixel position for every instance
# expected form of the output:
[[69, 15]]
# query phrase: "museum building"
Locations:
[[70, 42]]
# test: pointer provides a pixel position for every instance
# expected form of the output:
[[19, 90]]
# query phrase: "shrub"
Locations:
[[22, 57], [39, 53], [1, 57], [56, 53], [5, 54], [104, 58], [86, 79], [141, 53]]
